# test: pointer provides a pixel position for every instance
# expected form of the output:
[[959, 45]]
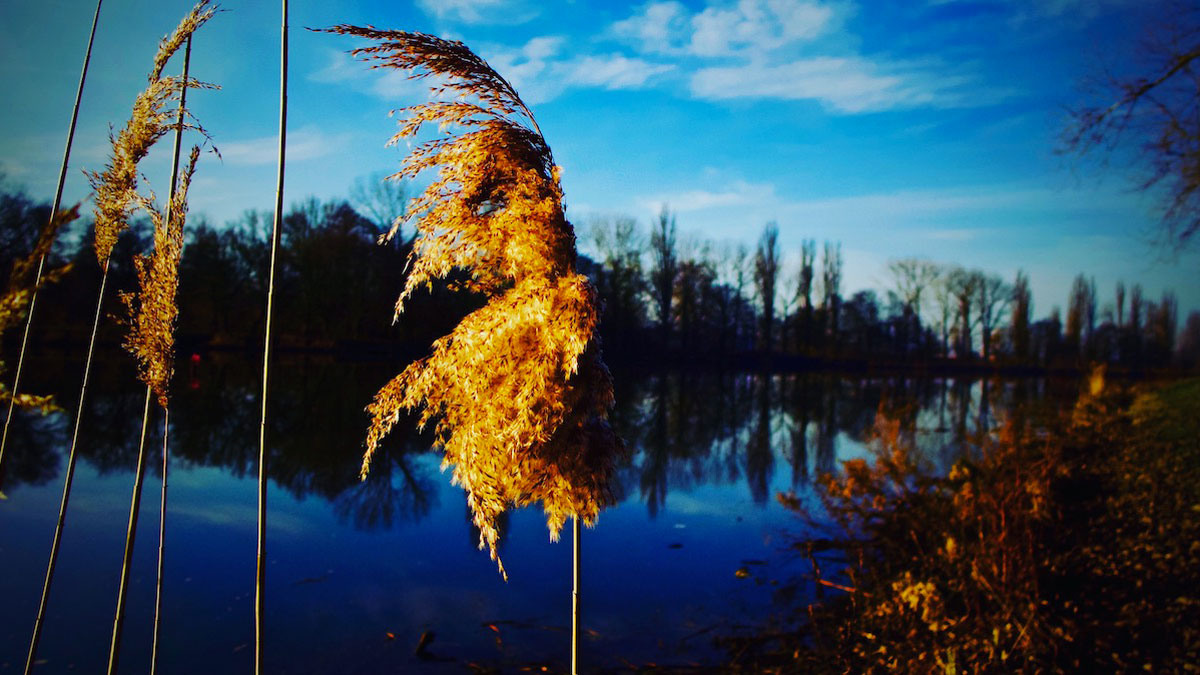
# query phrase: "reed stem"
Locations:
[[162, 536], [66, 495], [260, 573], [135, 504], [576, 563], [62, 178], [162, 508], [135, 501]]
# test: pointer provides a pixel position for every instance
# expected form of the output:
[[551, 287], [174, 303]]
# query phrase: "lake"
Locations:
[[697, 546]]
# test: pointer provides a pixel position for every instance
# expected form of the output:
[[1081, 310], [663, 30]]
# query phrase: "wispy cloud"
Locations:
[[302, 144], [478, 11], [848, 85], [538, 69], [790, 50], [724, 29], [612, 71], [738, 194]]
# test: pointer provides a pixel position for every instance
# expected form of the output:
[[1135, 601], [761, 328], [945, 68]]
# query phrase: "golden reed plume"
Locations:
[[14, 301], [518, 389], [152, 311], [116, 188]]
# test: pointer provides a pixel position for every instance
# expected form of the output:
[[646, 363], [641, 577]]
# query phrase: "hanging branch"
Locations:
[[116, 195], [260, 578], [55, 223], [517, 391]]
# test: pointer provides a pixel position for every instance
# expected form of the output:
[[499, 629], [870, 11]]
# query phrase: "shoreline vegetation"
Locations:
[[1073, 548], [697, 309]]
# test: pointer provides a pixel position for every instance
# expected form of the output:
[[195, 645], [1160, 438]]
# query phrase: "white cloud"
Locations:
[[847, 85], [746, 27], [756, 26], [739, 193], [613, 72], [535, 72], [477, 11], [302, 144], [655, 28]]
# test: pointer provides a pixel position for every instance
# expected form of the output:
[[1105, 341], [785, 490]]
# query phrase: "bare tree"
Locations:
[[381, 199], [1154, 111], [992, 297], [1120, 297], [944, 298], [831, 282], [963, 286], [1081, 315], [766, 275], [804, 287], [619, 244], [664, 266], [1021, 309], [912, 276]]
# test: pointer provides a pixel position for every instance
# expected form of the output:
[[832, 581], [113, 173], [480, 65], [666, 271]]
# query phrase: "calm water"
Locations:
[[358, 571]]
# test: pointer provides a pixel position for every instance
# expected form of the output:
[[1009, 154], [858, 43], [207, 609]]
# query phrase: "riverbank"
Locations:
[[1075, 548]]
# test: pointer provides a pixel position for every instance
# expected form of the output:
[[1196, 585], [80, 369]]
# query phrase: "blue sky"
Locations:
[[921, 128]]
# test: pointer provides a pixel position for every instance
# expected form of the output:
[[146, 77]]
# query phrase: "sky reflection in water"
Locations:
[[351, 562]]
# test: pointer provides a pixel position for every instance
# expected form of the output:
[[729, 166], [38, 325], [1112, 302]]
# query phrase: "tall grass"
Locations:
[[517, 391], [260, 575], [176, 209], [11, 308], [116, 196]]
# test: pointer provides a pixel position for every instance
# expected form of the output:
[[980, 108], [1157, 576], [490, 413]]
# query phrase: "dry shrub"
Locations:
[[943, 571], [23, 283], [518, 390]]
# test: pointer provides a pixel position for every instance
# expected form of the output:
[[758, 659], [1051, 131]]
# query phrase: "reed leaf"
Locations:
[[517, 392]]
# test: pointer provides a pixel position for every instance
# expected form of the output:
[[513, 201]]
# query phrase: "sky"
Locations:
[[900, 129]]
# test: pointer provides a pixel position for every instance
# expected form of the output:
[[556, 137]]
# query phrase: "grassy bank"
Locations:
[[1073, 546]]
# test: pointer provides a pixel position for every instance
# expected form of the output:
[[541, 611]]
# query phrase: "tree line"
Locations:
[[667, 295]]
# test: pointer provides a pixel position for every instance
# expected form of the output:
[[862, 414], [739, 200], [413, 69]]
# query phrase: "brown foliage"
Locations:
[[518, 390]]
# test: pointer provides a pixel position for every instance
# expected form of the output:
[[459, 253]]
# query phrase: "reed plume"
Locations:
[[518, 392], [24, 280], [152, 310], [116, 187]]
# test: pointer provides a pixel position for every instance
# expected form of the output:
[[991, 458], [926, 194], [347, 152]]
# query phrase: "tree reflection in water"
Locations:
[[685, 429]]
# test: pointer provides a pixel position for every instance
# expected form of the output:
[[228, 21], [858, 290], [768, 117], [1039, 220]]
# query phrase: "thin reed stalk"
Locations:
[[62, 178], [576, 575], [162, 536], [173, 213], [162, 508], [135, 504], [66, 495], [260, 579]]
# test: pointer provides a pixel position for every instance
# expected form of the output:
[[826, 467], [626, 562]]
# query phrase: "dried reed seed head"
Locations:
[[200, 14], [151, 118], [152, 311], [517, 391], [22, 283]]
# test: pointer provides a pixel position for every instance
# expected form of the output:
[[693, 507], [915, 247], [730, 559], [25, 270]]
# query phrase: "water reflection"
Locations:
[[684, 429], [708, 452]]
